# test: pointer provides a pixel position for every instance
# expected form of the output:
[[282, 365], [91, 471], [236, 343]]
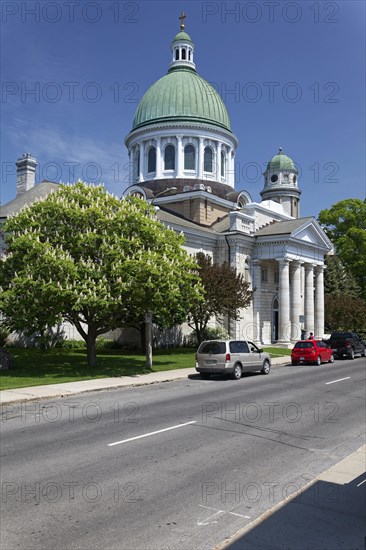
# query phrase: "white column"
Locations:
[[158, 158], [319, 301], [296, 301], [179, 157], [284, 301], [256, 286], [309, 298], [231, 169], [218, 164], [142, 161], [200, 159]]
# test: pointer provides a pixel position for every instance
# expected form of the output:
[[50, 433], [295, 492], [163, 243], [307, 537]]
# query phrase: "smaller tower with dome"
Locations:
[[281, 184]]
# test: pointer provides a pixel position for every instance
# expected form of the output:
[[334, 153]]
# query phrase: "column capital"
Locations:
[[296, 263], [320, 268], [284, 261], [309, 265]]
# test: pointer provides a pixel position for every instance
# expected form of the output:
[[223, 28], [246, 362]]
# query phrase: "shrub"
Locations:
[[210, 333]]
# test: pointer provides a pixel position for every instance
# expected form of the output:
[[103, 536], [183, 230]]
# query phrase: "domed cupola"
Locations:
[[280, 183], [182, 48], [181, 127]]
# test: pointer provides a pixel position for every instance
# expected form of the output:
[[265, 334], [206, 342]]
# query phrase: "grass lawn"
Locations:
[[34, 368]]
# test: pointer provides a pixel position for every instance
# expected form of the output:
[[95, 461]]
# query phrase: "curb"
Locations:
[[34, 393]]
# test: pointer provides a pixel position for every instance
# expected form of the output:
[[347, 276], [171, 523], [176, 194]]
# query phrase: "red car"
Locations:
[[311, 351]]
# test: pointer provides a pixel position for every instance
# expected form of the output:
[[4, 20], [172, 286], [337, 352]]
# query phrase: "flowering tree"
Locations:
[[85, 256]]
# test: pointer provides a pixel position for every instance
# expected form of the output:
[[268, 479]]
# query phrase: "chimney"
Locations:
[[26, 173]]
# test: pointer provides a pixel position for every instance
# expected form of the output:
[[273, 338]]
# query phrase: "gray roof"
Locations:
[[39, 191], [282, 228]]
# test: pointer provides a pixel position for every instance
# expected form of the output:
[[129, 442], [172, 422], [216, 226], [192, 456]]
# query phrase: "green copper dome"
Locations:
[[181, 96], [182, 36], [281, 162]]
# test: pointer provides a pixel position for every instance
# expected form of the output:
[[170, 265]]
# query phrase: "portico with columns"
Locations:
[[288, 269]]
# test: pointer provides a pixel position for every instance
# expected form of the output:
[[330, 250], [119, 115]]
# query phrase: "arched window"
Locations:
[[189, 157], [176, 54], [223, 163], [169, 158], [183, 53], [151, 160], [189, 55], [207, 160]]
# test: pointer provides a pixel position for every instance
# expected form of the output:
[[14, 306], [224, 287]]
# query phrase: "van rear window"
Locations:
[[212, 347]]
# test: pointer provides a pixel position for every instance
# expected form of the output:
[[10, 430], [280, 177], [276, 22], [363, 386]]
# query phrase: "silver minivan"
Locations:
[[231, 357]]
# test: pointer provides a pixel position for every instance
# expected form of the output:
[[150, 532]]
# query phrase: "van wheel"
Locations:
[[205, 375], [319, 361], [236, 374], [266, 367], [352, 354]]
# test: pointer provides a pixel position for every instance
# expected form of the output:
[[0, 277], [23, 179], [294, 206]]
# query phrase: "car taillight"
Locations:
[[227, 358], [348, 344]]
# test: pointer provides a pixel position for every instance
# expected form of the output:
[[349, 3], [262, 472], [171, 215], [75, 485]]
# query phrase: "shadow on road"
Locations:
[[326, 516]]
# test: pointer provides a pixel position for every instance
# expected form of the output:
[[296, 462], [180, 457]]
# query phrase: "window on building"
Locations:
[[207, 160], [223, 163], [264, 277], [176, 55], [151, 160], [189, 55], [189, 157], [138, 165], [276, 276], [183, 53], [169, 158]]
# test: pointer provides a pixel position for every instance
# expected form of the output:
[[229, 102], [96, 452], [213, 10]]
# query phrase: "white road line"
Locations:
[[339, 380], [240, 515], [362, 482], [151, 433]]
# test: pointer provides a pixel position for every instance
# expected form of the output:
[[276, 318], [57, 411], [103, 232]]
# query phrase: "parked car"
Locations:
[[231, 357], [346, 344], [311, 351]]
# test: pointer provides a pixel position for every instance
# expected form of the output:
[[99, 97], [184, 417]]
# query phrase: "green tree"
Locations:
[[345, 225], [344, 313], [338, 280], [226, 292], [85, 256]]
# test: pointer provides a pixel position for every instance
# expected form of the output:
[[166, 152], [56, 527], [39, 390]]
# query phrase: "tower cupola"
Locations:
[[281, 183], [182, 48]]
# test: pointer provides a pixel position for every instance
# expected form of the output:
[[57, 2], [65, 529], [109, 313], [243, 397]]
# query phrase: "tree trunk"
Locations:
[[91, 351], [143, 337], [148, 340]]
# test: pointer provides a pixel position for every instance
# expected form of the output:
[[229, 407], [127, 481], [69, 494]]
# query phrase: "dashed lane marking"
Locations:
[[151, 433]]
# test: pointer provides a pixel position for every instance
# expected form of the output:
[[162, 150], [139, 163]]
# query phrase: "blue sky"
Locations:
[[292, 75]]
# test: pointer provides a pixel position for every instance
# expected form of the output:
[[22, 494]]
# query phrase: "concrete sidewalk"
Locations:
[[19, 395], [328, 513]]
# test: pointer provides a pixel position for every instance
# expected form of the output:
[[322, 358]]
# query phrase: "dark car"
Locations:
[[311, 351], [346, 344]]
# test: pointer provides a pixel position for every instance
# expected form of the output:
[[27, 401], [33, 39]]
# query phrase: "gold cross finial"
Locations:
[[182, 17]]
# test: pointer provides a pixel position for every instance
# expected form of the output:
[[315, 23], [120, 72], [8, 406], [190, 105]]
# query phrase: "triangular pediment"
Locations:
[[312, 233]]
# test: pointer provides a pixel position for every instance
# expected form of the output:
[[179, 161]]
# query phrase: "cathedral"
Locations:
[[182, 157]]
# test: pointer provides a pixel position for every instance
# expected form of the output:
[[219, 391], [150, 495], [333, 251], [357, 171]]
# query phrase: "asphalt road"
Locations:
[[215, 455]]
